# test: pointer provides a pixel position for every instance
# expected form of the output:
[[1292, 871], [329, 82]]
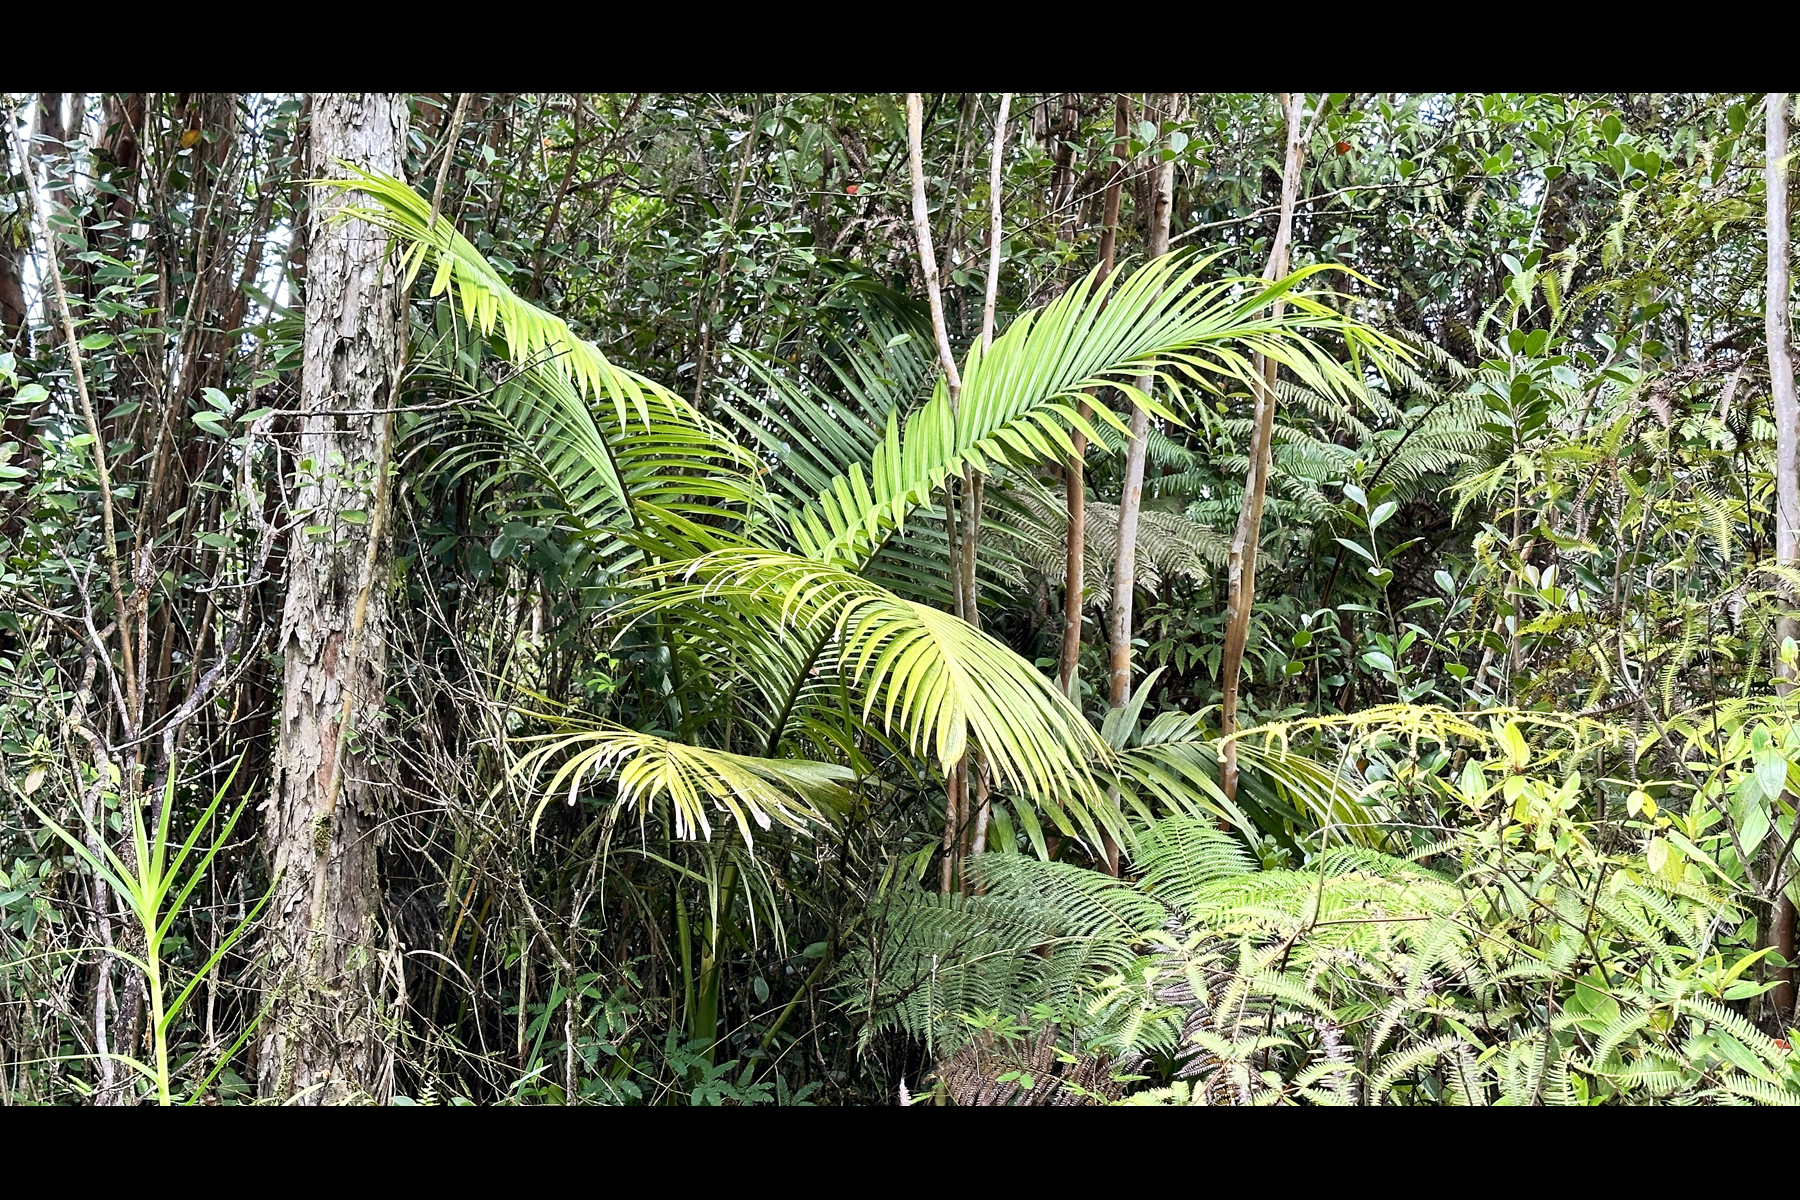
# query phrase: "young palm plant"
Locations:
[[154, 887], [781, 600]]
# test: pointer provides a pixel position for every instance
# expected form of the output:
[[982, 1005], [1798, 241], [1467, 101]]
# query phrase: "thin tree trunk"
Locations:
[[56, 301], [321, 1040], [972, 528], [1787, 469], [996, 226], [1131, 494], [59, 310], [1240, 568], [1074, 477], [1162, 200], [13, 313], [15, 317], [56, 139], [954, 782], [972, 480]]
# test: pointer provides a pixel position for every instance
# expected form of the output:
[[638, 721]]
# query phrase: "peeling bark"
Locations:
[[321, 1038]]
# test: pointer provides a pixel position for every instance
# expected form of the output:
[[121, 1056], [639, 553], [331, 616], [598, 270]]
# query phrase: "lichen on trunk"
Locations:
[[321, 1040]]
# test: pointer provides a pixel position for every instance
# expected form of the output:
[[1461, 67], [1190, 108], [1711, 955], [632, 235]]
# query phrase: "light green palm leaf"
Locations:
[[1018, 402], [922, 672], [694, 781], [603, 439]]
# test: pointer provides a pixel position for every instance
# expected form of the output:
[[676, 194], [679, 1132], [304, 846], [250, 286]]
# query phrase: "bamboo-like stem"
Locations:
[[973, 489], [996, 226], [921, 212], [1074, 475], [1240, 567], [1132, 492]]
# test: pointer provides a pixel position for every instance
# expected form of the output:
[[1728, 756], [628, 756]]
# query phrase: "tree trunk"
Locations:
[[972, 480], [321, 1038], [1787, 471], [1131, 493], [1240, 568], [972, 526], [1074, 478], [955, 783], [1162, 200], [1064, 204]]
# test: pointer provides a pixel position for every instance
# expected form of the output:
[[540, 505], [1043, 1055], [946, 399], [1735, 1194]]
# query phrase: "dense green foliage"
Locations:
[[676, 681]]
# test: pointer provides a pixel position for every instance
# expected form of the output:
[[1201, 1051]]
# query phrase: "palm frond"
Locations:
[[609, 442], [811, 423], [1017, 404], [691, 780], [926, 673]]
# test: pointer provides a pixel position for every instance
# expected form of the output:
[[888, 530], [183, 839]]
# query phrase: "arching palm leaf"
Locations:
[[1017, 404], [920, 671], [1018, 401], [689, 779], [577, 460], [605, 440]]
